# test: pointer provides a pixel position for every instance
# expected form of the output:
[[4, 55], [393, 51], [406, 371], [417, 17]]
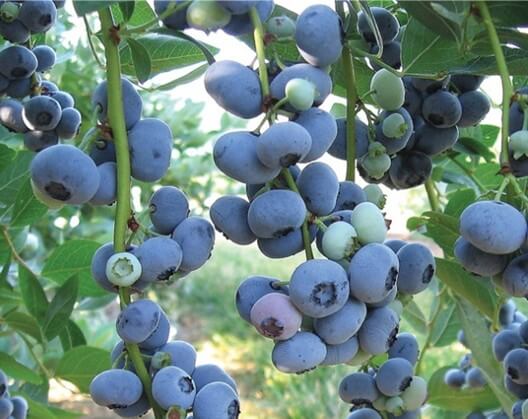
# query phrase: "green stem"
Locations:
[[502, 186], [14, 253], [258, 35], [90, 42], [30, 347], [88, 140], [507, 89], [374, 58], [431, 195], [116, 118], [517, 188]]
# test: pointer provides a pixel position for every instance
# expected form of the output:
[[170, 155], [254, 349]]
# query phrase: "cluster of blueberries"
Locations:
[[15, 407], [33, 107], [492, 243], [518, 129], [177, 383]]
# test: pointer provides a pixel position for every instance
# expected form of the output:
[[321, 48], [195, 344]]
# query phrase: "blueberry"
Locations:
[[286, 245], [207, 16], [17, 62], [303, 352], [320, 79], [139, 408], [518, 390], [387, 23], [388, 90], [240, 24], [417, 267], [377, 263], [132, 103], [516, 365], [319, 187], [138, 321], [20, 408], [413, 98], [216, 401], [410, 169], [69, 123], [517, 113], [275, 317], [523, 331], [41, 113], [442, 109], [3, 383], [210, 373], [6, 408], [116, 388], [341, 353], [159, 337], [64, 173], [364, 413], [507, 313], [168, 207], [391, 55], [48, 87], [340, 326], [196, 237], [378, 331], [238, 7], [99, 261], [405, 346], [19, 89], [300, 94], [176, 20], [493, 227], [322, 127], [251, 290], [160, 258], [107, 191], [182, 355], [394, 376], [475, 378], [150, 143], [103, 151], [415, 395], [39, 140], [369, 223], [235, 154], [38, 15], [235, 88], [339, 241], [358, 388], [475, 106], [14, 31], [319, 287], [338, 149], [395, 244], [349, 196], [318, 47], [401, 133], [455, 378], [64, 98], [516, 410], [427, 86], [45, 57], [478, 262], [172, 386], [466, 82]]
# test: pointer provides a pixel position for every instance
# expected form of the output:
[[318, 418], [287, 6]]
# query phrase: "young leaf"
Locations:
[[32, 293], [18, 371], [141, 59], [61, 307]]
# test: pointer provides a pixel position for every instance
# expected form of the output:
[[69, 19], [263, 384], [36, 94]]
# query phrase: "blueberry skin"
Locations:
[[196, 237], [177, 20], [64, 98], [516, 365], [301, 353], [478, 262], [349, 196], [139, 408], [455, 378], [172, 386], [229, 215], [517, 113], [432, 140], [287, 245], [417, 268], [210, 373], [395, 244], [6, 408], [410, 169], [216, 401], [17, 62], [45, 57], [238, 7], [69, 123], [276, 213], [523, 331], [168, 207], [518, 390], [38, 16], [507, 313], [380, 265], [20, 407], [41, 113], [183, 355], [235, 88], [466, 82], [341, 353], [393, 145], [251, 290], [103, 151], [475, 378], [493, 227], [364, 413], [132, 103], [74, 181], [405, 346], [391, 55], [319, 287], [343, 324], [14, 31], [386, 301], [160, 258], [19, 89], [319, 187], [240, 24], [338, 149], [519, 168], [394, 376], [387, 23], [318, 47], [442, 109], [160, 335], [150, 144], [413, 98], [99, 260], [427, 86], [107, 191], [116, 388], [358, 388], [378, 331], [3, 383], [319, 78], [475, 106], [39, 140], [322, 127], [235, 154], [138, 321]]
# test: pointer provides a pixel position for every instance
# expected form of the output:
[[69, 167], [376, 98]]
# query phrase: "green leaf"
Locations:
[[488, 175], [466, 400], [11, 180], [208, 54], [141, 59], [83, 7], [478, 291], [338, 110], [363, 75], [470, 146], [18, 371], [141, 14], [61, 307], [446, 325], [32, 293], [509, 13], [74, 258], [186, 78], [71, 336], [24, 323], [27, 208], [81, 364], [127, 9], [6, 156], [413, 314], [459, 200], [442, 228]]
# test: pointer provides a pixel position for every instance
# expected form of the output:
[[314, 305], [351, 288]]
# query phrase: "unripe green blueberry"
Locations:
[[375, 195], [207, 15], [397, 307], [394, 405], [415, 395], [282, 27], [369, 223], [360, 358], [376, 166], [160, 360], [388, 90], [394, 126], [9, 11], [300, 94], [379, 403], [339, 241], [519, 144], [525, 409], [123, 269]]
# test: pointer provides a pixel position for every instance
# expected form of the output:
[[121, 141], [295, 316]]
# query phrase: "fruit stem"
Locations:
[[502, 187], [431, 195], [116, 117], [507, 89], [258, 35]]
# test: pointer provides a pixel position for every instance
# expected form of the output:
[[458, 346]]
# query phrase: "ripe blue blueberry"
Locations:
[[41, 113], [69, 123], [107, 192], [341, 353], [340, 326], [319, 187], [116, 388], [17, 62], [172, 386], [216, 401], [196, 237], [168, 207], [251, 290], [405, 346], [358, 388], [301, 353], [378, 331], [138, 321], [45, 57], [210, 373], [38, 16], [322, 127], [417, 267], [478, 262], [160, 258]]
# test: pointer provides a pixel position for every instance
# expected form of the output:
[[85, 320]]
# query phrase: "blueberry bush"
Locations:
[[93, 143]]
